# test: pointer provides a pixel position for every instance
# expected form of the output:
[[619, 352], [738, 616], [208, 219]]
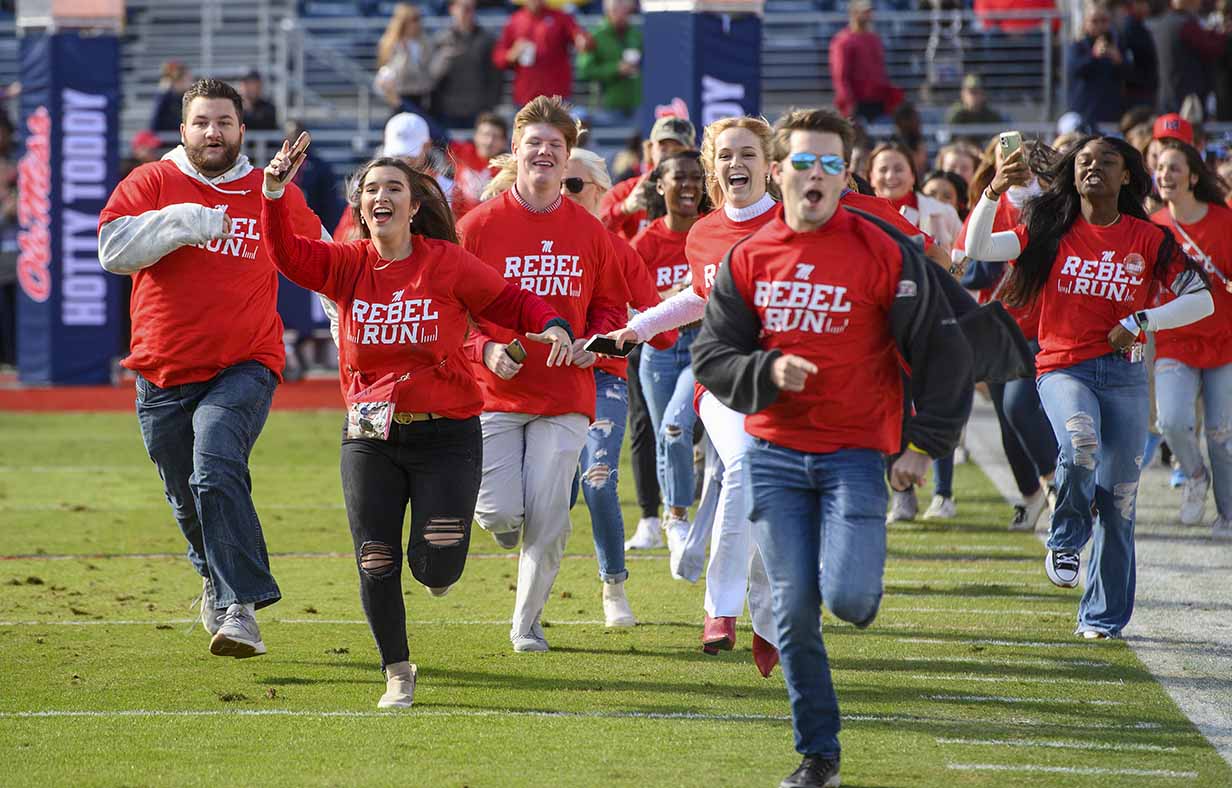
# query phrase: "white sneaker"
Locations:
[[399, 690], [1193, 499], [238, 636], [1028, 514], [903, 506], [677, 531], [616, 610], [1062, 568], [530, 642], [648, 535], [961, 455], [941, 509], [439, 592], [211, 616], [1222, 529], [508, 540]]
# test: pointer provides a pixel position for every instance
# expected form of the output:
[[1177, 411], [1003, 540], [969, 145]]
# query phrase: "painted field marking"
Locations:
[[1092, 770], [1061, 745], [1012, 699], [983, 642], [968, 611], [1017, 679]]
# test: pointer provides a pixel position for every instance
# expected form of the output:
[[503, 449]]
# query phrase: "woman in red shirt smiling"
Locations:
[[404, 294], [1087, 250], [1197, 359]]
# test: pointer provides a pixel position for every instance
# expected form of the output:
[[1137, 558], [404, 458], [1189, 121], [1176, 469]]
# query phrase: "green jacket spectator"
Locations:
[[615, 60]]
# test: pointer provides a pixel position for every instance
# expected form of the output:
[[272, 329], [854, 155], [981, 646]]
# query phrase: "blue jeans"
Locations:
[[667, 383], [1098, 412], [820, 524], [600, 466], [943, 476], [1176, 393], [200, 435]]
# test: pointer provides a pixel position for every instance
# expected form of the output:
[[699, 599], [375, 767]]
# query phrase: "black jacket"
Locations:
[[729, 361]]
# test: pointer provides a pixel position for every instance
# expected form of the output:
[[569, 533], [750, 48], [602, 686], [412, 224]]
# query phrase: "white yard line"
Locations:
[[1059, 745], [987, 642], [1179, 630], [1015, 679], [1014, 699], [1089, 770]]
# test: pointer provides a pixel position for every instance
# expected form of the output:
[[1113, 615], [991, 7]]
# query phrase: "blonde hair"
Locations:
[[761, 129], [595, 166], [504, 178], [553, 111], [395, 30]]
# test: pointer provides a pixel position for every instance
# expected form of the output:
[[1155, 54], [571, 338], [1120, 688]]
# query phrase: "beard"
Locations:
[[212, 161]]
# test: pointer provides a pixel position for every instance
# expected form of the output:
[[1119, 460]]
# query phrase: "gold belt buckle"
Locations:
[[409, 418]]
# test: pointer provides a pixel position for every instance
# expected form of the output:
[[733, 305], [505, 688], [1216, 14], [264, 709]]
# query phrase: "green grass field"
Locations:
[[969, 676]]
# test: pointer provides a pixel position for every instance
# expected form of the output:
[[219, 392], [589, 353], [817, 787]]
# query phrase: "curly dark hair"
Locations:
[[656, 207]]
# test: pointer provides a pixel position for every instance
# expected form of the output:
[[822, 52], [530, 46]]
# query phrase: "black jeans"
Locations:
[[642, 444], [435, 466]]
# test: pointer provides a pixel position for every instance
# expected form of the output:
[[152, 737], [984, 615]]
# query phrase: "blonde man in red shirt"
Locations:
[[535, 420], [206, 346], [405, 292], [804, 330]]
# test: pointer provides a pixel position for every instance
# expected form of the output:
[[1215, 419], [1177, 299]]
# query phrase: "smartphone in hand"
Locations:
[[515, 351], [606, 346]]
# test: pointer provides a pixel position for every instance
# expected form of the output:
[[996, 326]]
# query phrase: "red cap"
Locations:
[[146, 139], [1173, 125]]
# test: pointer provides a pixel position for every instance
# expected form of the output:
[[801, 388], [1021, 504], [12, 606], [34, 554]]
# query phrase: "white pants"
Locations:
[[735, 562], [528, 467]]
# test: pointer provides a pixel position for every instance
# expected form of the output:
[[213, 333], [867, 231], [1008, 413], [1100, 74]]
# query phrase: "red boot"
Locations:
[[765, 656], [718, 634]]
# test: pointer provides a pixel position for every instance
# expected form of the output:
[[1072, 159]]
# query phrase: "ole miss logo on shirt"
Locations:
[[244, 229], [546, 273], [1102, 278], [395, 323], [801, 305]]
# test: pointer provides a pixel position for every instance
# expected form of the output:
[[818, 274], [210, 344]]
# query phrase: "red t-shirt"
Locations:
[[565, 258], [471, 174], [626, 225], [1007, 216], [204, 308], [1101, 275], [709, 241], [813, 302], [662, 248], [883, 209], [642, 296], [1207, 343], [404, 317], [551, 72]]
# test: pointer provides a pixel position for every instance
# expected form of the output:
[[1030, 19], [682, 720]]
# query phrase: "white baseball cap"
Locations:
[[405, 135]]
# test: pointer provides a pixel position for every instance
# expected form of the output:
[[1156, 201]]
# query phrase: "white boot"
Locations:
[[616, 608], [399, 686]]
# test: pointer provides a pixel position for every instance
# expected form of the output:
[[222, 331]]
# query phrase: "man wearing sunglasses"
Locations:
[[803, 331]]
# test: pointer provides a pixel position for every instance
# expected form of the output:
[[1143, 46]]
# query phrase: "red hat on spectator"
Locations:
[[146, 139], [1174, 126]]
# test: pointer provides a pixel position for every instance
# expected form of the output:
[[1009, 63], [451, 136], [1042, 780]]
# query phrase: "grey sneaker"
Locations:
[[508, 540], [238, 636], [903, 506], [1193, 499], [211, 616], [1222, 529], [1062, 568], [531, 642]]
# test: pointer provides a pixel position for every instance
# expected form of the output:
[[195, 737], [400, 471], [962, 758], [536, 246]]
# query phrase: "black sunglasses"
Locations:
[[575, 185]]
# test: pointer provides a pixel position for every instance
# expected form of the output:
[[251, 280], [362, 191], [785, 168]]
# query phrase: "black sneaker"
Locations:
[[813, 772], [1062, 568]]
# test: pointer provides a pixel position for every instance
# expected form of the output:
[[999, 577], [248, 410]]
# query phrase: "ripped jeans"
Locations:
[[436, 467], [667, 381], [600, 463], [1098, 412], [1177, 387]]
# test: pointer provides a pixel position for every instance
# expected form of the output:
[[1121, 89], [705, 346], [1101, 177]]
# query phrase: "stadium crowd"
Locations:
[[790, 320]]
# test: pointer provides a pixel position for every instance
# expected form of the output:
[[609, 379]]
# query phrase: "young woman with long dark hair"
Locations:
[[1088, 251], [405, 293], [1197, 360]]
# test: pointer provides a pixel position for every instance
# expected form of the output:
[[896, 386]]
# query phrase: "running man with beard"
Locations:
[[206, 345]]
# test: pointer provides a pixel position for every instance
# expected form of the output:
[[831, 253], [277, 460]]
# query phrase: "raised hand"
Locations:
[[1012, 172], [286, 162]]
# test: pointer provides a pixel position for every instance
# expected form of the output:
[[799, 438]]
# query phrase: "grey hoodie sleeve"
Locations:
[[130, 243]]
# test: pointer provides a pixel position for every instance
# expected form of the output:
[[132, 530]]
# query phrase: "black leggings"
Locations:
[[435, 466], [642, 443]]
